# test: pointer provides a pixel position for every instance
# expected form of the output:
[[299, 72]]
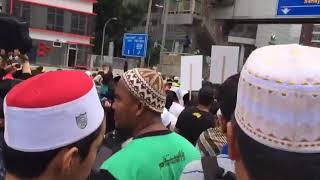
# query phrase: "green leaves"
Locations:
[[129, 15]]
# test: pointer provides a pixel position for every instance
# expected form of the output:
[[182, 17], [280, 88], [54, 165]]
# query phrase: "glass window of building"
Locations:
[[78, 23], [22, 10], [316, 33], [55, 19]]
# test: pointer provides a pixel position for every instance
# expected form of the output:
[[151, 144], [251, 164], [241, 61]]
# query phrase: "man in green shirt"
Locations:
[[155, 153]]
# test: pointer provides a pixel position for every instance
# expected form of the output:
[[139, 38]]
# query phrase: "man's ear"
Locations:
[[140, 109], [233, 148], [68, 158]]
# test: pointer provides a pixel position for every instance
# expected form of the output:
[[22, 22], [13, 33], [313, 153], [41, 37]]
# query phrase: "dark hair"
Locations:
[[171, 97], [227, 96], [1, 109], [205, 96], [101, 73], [207, 83], [107, 78], [33, 164], [7, 85], [214, 107], [265, 163], [40, 68], [189, 103]]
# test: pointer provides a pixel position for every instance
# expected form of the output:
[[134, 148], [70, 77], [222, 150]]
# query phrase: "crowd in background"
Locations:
[[181, 114], [142, 125]]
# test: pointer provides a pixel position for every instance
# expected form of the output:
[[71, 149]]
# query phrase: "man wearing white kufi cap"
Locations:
[[276, 132], [53, 127]]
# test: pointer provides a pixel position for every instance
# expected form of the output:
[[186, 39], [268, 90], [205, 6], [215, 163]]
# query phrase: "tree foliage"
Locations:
[[129, 16]]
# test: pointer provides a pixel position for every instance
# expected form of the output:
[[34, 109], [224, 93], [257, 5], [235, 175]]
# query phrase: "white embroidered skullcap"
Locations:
[[147, 86], [51, 110], [278, 101]]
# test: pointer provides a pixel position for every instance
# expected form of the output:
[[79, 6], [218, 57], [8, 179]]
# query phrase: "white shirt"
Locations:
[[194, 170], [167, 118], [176, 109]]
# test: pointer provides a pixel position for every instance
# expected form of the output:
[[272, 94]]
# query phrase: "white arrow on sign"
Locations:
[[285, 10]]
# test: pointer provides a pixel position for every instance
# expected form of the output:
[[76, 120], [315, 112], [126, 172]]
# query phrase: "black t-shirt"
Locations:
[[20, 75], [7, 85], [1, 109], [192, 122], [2, 73]]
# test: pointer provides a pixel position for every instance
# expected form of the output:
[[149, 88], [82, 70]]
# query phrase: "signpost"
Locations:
[[135, 45], [224, 63], [191, 73], [298, 8]]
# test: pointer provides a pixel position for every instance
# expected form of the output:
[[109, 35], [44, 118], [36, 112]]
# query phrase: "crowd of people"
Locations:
[[260, 124]]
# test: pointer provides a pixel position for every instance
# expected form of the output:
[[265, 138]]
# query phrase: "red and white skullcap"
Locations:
[[51, 110]]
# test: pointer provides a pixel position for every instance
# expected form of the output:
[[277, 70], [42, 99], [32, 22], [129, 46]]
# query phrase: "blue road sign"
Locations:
[[298, 8], [135, 45]]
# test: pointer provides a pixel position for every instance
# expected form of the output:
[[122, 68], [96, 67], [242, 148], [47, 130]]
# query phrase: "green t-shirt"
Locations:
[[161, 157]]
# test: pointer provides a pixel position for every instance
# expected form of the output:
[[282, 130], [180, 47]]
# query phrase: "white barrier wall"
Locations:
[[285, 34]]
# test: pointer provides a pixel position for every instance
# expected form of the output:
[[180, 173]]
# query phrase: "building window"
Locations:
[[55, 19], [316, 33], [23, 11], [78, 23], [316, 28]]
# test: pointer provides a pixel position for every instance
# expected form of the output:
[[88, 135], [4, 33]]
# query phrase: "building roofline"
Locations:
[[61, 33], [60, 7], [83, 44], [93, 1]]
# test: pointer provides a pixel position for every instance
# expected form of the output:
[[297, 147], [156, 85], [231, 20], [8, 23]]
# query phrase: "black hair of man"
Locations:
[[33, 164], [265, 163], [101, 73], [39, 69], [107, 78], [227, 96], [214, 107], [189, 103], [1, 109], [206, 96], [171, 97], [7, 85], [207, 83]]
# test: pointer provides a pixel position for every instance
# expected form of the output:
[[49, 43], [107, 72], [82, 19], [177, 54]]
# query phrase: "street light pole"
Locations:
[[104, 33], [148, 17], [165, 22], [147, 27]]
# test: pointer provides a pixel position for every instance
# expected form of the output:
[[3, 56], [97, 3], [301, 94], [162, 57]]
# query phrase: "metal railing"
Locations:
[[95, 61], [170, 64]]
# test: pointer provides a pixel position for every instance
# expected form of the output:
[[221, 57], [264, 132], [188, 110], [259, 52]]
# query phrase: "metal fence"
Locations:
[[96, 61], [170, 64]]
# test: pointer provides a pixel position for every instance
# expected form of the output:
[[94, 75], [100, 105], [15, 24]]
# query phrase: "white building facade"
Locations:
[[62, 30]]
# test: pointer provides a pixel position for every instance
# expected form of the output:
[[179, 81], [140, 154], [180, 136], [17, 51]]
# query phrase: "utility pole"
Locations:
[[147, 28], [165, 22], [104, 33], [164, 32]]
